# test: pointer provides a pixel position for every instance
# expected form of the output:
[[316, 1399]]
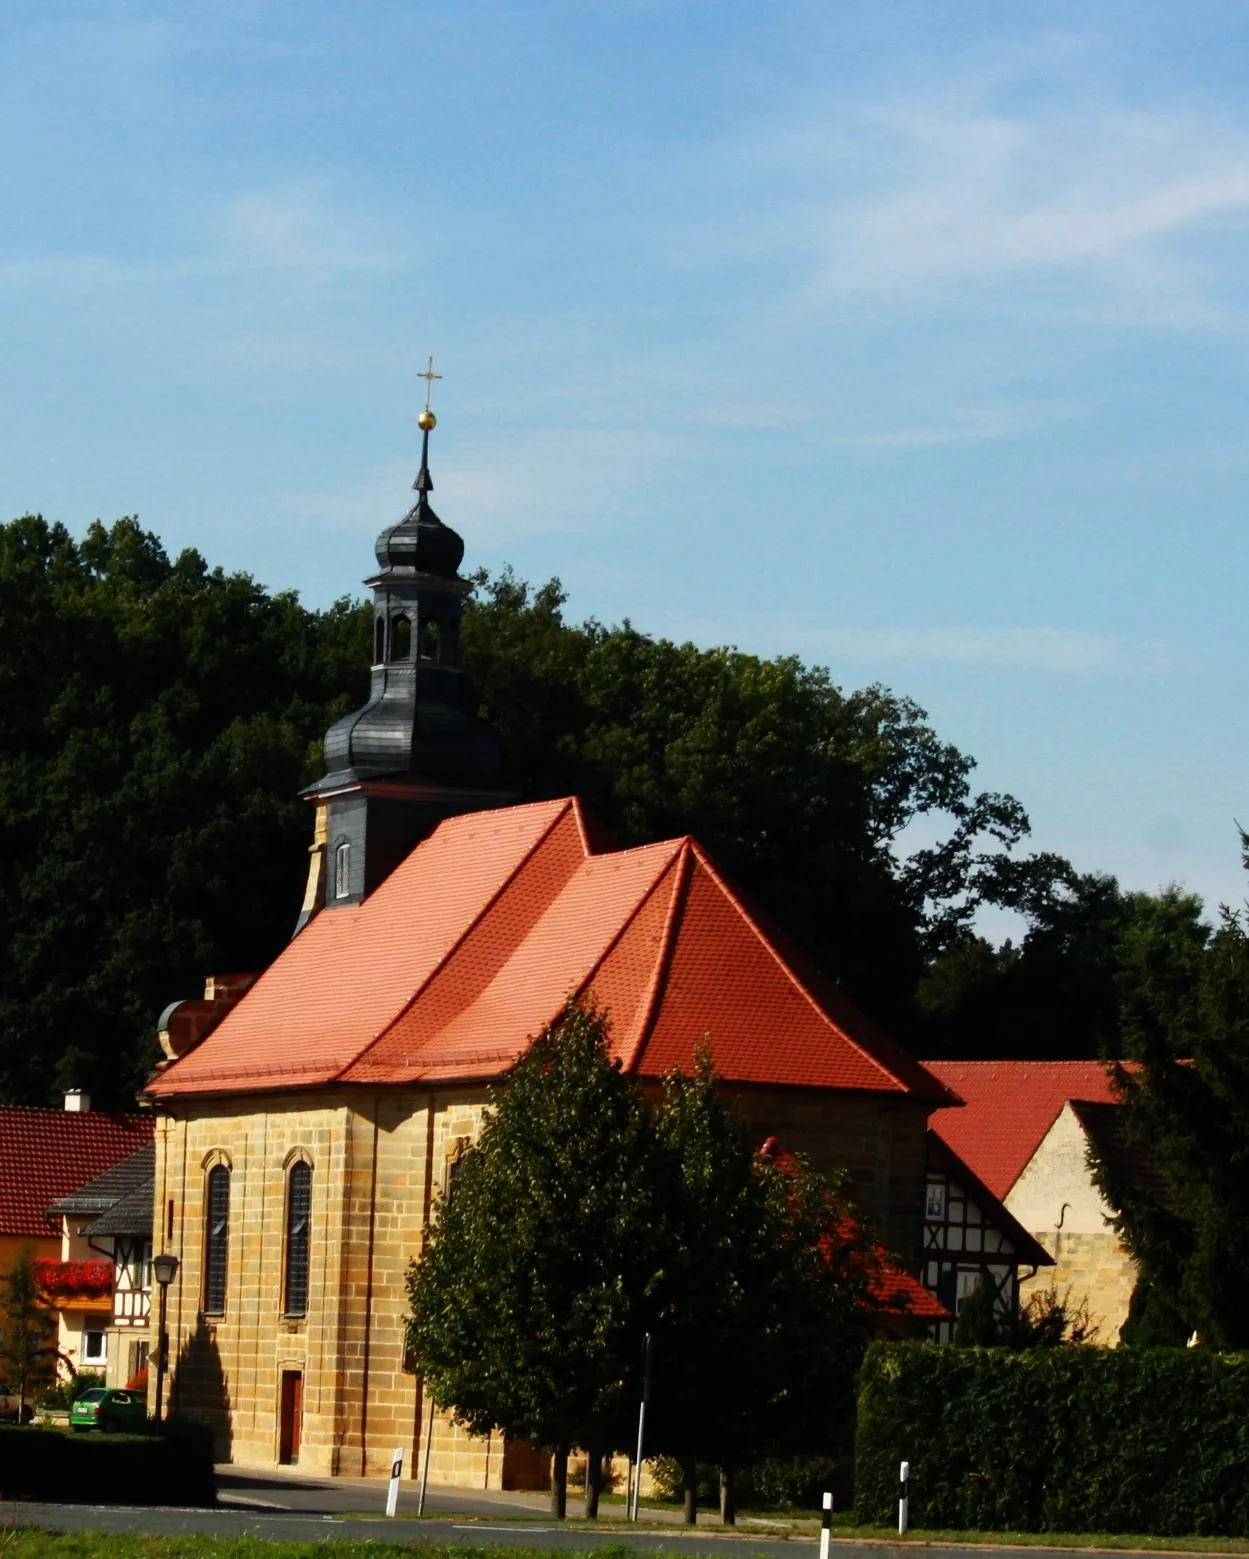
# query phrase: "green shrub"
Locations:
[[1073, 1439], [171, 1465], [780, 1483], [67, 1393]]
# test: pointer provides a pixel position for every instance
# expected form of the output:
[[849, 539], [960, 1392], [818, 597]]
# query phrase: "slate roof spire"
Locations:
[[412, 754]]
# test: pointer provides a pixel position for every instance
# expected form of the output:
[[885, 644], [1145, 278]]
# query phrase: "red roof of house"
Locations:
[[45, 1154], [1009, 1107], [473, 944], [901, 1294]]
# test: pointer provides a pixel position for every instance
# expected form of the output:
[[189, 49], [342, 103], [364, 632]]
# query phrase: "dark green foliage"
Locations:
[[794, 1483], [67, 1392], [584, 1220], [977, 1325], [1056, 1439], [173, 1465], [157, 720], [1057, 995], [765, 1309], [1180, 1179], [533, 1294], [1047, 1320]]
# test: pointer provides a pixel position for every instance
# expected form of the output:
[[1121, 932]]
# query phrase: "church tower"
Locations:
[[413, 754]]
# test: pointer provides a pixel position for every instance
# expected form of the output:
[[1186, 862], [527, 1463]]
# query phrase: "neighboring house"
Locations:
[[106, 1225], [1027, 1130], [45, 1154], [309, 1120], [971, 1240]]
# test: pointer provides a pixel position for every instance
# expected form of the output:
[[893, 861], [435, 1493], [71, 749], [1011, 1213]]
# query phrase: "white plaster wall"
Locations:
[[1056, 1177]]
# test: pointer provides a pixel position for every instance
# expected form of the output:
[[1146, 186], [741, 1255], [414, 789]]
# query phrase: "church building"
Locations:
[[307, 1120]]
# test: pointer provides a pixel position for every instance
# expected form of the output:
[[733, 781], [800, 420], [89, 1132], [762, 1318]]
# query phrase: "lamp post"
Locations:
[[165, 1269]]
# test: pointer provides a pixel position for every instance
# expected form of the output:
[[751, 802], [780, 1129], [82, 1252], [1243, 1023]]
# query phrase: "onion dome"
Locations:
[[420, 543]]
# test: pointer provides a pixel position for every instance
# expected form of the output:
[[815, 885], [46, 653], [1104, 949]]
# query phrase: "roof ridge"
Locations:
[[561, 812], [791, 974], [674, 864], [667, 943]]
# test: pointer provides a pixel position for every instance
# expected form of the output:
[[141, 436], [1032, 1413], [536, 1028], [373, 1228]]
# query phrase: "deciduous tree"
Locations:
[[28, 1354], [1184, 1210]]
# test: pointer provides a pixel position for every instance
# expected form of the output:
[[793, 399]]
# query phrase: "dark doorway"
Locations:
[[292, 1416]]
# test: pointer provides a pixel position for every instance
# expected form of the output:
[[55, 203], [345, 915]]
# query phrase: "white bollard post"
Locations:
[[396, 1472], [904, 1498], [826, 1525]]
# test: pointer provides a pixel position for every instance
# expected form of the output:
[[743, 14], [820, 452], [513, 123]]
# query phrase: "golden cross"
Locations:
[[429, 376]]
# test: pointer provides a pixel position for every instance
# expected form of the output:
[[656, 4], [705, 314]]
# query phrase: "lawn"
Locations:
[[32, 1543]]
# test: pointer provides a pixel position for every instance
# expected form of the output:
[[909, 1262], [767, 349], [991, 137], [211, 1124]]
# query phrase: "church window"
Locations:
[[379, 640], [450, 643], [429, 639], [298, 1219], [400, 638], [342, 870], [217, 1243]]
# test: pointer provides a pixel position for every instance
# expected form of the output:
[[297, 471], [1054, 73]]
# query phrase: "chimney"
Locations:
[[77, 1101]]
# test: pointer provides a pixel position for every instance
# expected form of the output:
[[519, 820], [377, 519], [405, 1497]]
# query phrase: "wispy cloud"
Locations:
[[915, 199]]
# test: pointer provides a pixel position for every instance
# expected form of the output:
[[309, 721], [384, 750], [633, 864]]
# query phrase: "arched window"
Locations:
[[379, 640], [216, 1239], [451, 643], [400, 638], [342, 870], [429, 638], [298, 1219]]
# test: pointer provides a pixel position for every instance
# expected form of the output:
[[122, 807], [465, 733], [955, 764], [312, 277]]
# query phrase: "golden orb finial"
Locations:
[[427, 420]]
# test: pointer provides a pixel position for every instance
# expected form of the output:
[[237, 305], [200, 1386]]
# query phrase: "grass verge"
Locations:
[[34, 1543]]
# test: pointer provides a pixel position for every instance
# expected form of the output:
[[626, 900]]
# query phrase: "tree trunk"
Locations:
[[728, 1504], [559, 1483], [689, 1473], [593, 1482]]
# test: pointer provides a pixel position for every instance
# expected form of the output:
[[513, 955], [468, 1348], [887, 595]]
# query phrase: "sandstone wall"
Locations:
[[377, 1159]]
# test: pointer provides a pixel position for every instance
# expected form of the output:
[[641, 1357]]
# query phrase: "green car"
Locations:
[[109, 1410]]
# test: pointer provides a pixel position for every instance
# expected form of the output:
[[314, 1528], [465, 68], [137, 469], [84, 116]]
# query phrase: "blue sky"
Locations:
[[908, 338]]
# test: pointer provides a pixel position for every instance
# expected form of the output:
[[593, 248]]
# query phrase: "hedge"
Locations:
[[171, 1467], [1071, 1439]]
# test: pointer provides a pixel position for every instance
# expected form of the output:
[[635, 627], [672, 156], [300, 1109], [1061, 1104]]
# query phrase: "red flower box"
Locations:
[[75, 1279]]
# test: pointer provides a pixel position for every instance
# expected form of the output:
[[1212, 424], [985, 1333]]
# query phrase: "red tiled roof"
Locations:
[[474, 943], [901, 1294], [45, 1154], [1009, 1107]]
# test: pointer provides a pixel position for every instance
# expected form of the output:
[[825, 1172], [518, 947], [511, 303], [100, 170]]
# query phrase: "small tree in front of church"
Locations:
[[585, 1219], [530, 1303], [765, 1307], [28, 1352]]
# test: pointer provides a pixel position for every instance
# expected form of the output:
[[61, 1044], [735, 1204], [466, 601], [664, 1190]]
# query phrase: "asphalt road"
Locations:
[[304, 1509], [301, 1527], [497, 1533]]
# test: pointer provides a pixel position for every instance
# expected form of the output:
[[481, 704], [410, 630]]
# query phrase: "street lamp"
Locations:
[[165, 1269]]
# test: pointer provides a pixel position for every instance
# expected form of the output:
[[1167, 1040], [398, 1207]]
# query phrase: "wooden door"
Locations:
[[292, 1416]]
